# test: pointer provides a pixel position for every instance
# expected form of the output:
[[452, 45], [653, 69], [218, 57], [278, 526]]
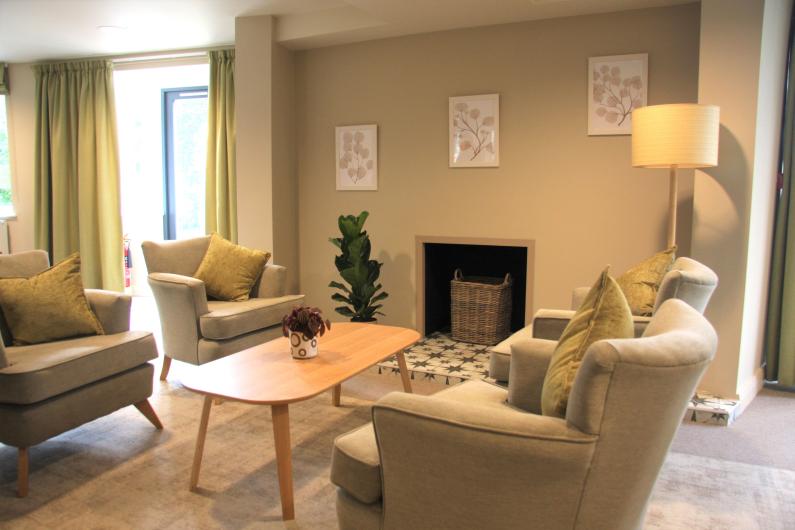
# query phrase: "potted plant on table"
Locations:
[[303, 326], [358, 270]]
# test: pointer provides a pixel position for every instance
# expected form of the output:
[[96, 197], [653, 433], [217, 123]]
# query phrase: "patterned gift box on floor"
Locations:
[[438, 357], [710, 409]]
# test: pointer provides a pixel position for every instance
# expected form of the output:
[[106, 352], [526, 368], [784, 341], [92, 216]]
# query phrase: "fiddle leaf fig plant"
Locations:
[[363, 292]]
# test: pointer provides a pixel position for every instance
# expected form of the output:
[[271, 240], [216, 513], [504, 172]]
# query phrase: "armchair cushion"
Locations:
[[41, 371], [641, 283], [500, 359], [227, 320], [604, 314], [50, 305], [356, 466], [229, 271], [475, 391]]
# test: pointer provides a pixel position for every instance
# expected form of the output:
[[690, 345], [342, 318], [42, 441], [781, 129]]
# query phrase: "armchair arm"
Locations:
[[549, 323], [577, 296], [112, 309], [529, 363], [272, 283], [181, 300], [433, 451]]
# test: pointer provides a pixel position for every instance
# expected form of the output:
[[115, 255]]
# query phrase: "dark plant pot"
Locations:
[[371, 321]]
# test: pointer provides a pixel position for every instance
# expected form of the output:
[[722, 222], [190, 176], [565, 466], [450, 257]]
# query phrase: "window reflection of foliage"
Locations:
[[617, 97], [190, 144], [473, 132], [355, 156], [5, 161]]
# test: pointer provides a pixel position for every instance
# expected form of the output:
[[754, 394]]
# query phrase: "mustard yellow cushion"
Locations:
[[48, 306], [604, 314], [641, 283], [229, 271]]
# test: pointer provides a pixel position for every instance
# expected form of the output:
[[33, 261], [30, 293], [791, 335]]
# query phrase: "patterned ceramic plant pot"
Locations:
[[302, 347]]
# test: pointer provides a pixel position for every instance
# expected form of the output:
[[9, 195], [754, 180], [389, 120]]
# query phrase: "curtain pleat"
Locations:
[[3, 79], [779, 340], [77, 204], [221, 193]]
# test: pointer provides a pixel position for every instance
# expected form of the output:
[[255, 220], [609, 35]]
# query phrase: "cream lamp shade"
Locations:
[[682, 135]]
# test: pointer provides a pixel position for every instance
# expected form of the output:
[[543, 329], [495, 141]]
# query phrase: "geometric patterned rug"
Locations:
[[440, 358]]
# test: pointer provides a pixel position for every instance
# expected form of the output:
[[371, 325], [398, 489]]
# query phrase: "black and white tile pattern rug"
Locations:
[[440, 358]]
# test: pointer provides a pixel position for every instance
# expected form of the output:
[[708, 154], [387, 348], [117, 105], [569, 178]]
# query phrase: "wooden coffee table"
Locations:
[[268, 375]]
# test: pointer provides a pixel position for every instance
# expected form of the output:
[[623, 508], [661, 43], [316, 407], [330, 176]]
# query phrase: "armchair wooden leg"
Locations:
[[166, 366], [146, 409], [22, 473]]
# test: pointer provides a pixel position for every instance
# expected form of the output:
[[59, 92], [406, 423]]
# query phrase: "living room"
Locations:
[[562, 194]]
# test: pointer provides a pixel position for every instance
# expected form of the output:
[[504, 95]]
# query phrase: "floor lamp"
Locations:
[[682, 135]]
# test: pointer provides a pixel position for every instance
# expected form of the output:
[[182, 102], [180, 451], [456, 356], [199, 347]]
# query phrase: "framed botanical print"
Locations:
[[617, 85], [357, 157], [475, 131]]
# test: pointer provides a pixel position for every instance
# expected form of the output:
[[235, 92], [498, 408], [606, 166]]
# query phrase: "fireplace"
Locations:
[[437, 259]]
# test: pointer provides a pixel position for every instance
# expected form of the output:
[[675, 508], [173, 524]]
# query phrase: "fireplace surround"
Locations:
[[437, 257]]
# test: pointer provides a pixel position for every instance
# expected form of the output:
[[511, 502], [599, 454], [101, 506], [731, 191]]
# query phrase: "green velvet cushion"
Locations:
[[641, 283], [604, 314], [48, 306], [229, 271]]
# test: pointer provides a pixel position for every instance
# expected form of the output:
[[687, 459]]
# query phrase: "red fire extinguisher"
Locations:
[[127, 262]]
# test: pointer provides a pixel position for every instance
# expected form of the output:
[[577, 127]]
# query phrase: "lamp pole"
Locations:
[[672, 204]]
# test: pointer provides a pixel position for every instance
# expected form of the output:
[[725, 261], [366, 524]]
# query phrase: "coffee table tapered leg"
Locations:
[[404, 372], [197, 455], [281, 438], [336, 393]]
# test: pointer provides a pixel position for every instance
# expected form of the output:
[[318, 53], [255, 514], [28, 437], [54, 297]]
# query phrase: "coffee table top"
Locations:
[[267, 374]]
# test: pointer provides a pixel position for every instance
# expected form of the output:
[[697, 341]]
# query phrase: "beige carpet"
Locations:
[[118, 472]]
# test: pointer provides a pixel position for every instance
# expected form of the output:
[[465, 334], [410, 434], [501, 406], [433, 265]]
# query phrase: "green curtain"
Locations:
[[77, 205], [779, 347], [3, 79], [221, 193]]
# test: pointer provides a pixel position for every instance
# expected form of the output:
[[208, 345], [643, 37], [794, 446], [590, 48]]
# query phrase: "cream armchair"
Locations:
[[197, 330], [49, 388], [687, 280], [466, 459]]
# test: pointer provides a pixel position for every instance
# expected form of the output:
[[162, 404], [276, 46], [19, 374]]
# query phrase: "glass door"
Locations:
[[184, 161]]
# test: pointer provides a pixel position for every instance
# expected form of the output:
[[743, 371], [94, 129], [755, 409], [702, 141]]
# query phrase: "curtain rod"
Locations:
[[142, 57], [176, 54]]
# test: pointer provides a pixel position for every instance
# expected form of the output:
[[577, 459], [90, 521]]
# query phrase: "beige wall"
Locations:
[[576, 196], [772, 73], [253, 86], [21, 121], [267, 191], [285, 185], [743, 53]]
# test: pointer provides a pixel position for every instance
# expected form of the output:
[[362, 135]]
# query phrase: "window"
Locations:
[[184, 160], [6, 206], [158, 203]]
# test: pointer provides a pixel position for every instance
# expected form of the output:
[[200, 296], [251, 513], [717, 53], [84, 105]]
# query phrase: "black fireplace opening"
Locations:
[[441, 261]]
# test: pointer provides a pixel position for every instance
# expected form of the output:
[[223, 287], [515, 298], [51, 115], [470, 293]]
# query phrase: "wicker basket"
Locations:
[[480, 308]]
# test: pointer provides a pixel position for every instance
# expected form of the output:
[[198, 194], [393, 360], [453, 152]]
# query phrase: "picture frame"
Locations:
[[617, 84], [357, 157], [474, 131]]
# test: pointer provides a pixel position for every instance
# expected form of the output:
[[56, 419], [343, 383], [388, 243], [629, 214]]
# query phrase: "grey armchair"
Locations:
[[687, 280], [197, 330], [466, 459], [50, 388]]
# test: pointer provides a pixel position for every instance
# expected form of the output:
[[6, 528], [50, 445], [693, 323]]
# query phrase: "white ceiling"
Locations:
[[32, 30]]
